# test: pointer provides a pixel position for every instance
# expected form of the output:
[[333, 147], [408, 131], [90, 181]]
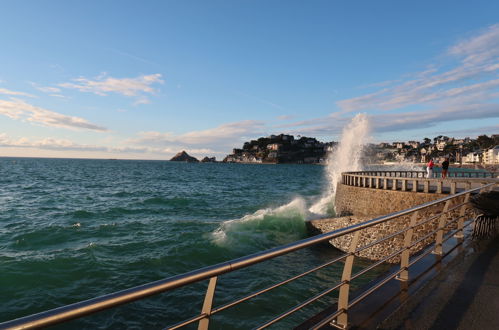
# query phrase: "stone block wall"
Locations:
[[351, 200], [365, 204]]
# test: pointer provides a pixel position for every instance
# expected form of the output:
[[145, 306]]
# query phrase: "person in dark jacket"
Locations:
[[445, 168]]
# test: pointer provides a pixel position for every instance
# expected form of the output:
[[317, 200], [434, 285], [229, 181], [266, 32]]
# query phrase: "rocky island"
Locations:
[[184, 157]]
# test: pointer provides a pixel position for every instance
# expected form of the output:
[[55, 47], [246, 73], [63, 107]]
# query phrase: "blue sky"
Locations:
[[146, 79]]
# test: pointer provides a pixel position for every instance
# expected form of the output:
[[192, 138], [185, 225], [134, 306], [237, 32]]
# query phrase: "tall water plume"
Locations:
[[346, 156]]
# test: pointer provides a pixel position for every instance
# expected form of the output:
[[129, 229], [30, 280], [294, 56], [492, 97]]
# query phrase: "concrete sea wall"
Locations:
[[361, 204]]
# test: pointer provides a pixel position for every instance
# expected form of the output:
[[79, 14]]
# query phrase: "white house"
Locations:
[[491, 156], [473, 157]]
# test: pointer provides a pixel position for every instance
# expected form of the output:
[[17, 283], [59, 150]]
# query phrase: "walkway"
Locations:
[[463, 296]]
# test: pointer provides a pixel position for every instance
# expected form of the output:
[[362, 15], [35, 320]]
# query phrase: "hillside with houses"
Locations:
[[281, 149], [307, 150]]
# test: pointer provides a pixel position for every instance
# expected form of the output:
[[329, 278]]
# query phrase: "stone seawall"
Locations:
[[351, 200], [362, 204]]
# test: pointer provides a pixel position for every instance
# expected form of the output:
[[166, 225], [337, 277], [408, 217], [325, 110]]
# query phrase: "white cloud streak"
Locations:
[[18, 109], [14, 93], [103, 85], [219, 139], [65, 145], [473, 79]]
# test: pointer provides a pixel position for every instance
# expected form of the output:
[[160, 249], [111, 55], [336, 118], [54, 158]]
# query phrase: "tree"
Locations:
[[485, 142]]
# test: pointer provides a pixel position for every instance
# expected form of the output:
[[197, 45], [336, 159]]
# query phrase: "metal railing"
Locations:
[[422, 174], [416, 181], [453, 203]]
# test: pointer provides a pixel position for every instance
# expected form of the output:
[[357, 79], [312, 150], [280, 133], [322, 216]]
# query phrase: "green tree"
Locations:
[[485, 142]]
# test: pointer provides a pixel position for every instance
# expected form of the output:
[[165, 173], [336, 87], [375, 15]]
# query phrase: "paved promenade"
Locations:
[[463, 296]]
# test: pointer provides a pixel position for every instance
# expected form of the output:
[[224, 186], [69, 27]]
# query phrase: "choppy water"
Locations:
[[75, 229]]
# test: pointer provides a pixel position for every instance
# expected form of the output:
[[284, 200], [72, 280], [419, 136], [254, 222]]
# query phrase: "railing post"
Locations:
[[377, 182], [342, 319], [404, 258], [440, 233], [404, 184], [439, 187], [394, 184], [415, 185], [385, 183], [460, 222], [426, 186], [453, 186], [208, 302]]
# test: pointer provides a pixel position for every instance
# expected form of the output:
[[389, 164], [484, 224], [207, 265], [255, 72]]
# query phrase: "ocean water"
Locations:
[[74, 229]]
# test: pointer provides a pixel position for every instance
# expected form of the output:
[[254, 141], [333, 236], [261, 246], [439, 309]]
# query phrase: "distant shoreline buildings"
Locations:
[[276, 149]]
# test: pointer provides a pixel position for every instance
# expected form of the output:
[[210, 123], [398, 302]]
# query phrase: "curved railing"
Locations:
[[449, 222], [436, 175], [417, 181]]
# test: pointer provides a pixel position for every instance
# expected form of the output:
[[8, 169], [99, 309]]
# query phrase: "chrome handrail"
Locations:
[[76, 310], [420, 174]]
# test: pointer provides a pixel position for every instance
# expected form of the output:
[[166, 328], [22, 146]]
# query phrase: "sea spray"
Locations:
[[265, 227], [346, 156]]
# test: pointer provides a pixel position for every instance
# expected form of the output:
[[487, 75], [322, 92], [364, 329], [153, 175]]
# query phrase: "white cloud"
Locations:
[[479, 48], [9, 92], [18, 109], [473, 78], [50, 144], [45, 89], [219, 139], [125, 86], [47, 144]]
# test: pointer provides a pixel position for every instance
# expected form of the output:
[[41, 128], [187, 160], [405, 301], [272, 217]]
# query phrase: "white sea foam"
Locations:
[[347, 156], [287, 218]]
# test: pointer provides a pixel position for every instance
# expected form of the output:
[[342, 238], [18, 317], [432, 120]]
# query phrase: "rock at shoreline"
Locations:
[[209, 160], [184, 157]]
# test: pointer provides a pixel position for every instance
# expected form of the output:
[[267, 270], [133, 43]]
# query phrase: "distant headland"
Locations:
[[283, 148]]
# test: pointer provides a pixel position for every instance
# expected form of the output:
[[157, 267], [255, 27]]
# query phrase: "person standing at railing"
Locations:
[[429, 169], [445, 168]]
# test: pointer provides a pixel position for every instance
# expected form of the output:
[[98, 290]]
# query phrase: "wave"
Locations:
[[265, 227], [346, 156]]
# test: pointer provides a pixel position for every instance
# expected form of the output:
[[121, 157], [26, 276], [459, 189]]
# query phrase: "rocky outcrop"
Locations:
[[209, 160], [183, 157]]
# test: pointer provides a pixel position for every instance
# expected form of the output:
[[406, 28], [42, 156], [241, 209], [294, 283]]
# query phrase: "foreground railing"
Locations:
[[455, 205], [416, 181]]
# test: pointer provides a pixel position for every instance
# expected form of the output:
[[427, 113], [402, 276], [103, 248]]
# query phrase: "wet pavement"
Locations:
[[464, 295]]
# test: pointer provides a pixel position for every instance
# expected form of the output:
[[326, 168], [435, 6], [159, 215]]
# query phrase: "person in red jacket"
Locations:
[[429, 169]]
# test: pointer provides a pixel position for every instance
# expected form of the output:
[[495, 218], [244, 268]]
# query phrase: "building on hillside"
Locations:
[[398, 145], [473, 157], [274, 146], [414, 144], [441, 145], [491, 156]]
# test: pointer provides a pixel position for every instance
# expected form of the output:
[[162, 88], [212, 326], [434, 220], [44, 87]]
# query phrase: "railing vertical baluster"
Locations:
[[208, 302], [453, 186], [440, 233], [342, 319], [415, 185], [404, 258], [439, 187], [460, 222], [394, 184]]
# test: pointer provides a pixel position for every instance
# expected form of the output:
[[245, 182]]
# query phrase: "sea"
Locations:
[[74, 229]]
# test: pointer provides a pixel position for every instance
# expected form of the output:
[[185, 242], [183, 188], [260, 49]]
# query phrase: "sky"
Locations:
[[147, 79]]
